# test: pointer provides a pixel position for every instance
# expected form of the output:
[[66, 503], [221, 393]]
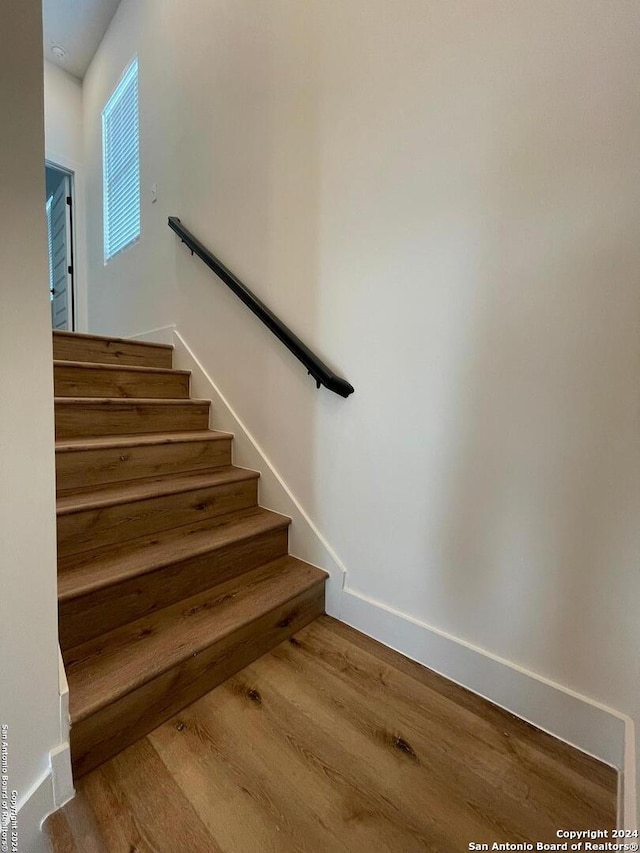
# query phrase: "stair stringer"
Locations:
[[305, 540]]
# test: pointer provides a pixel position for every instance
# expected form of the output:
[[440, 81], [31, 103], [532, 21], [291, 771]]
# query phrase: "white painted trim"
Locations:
[[63, 691], [628, 799], [32, 810], [306, 541], [578, 720], [60, 756], [61, 774], [47, 795], [161, 335], [79, 235], [55, 786]]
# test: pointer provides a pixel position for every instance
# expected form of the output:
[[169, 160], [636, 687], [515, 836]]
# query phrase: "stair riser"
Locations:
[[69, 348], [108, 731], [76, 420], [95, 382], [95, 528], [83, 468], [84, 618]]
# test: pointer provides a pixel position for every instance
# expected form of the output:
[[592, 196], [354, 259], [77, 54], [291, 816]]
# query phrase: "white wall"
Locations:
[[64, 146], [29, 702], [443, 200], [63, 114]]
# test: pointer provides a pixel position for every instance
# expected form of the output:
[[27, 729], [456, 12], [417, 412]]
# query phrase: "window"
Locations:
[[121, 165]]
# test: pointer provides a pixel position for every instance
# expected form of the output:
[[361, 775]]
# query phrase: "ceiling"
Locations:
[[77, 26]]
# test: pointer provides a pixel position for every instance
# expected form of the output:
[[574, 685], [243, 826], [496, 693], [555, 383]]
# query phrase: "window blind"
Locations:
[[121, 165]]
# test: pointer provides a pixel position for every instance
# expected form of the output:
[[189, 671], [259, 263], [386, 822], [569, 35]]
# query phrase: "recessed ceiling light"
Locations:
[[59, 52]]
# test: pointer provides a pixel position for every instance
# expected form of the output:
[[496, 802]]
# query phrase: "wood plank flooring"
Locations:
[[332, 742]]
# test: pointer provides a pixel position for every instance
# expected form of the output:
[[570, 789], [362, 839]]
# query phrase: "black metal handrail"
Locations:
[[316, 367]]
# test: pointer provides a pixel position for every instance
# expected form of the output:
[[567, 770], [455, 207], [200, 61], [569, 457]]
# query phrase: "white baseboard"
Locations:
[[628, 793], [588, 725], [61, 774], [63, 692], [161, 335], [33, 808], [60, 757], [51, 792]]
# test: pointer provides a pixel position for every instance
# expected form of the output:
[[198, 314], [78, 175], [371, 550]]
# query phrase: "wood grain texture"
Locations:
[[85, 462], [466, 705], [171, 578], [84, 379], [124, 511], [331, 742], [107, 668], [195, 652], [91, 570], [232, 549], [459, 763], [84, 416], [72, 346]]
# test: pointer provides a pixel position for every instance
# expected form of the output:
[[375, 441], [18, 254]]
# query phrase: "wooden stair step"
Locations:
[[108, 459], [105, 669], [171, 578], [125, 683], [94, 416], [89, 379], [90, 571], [103, 589], [117, 512], [73, 346]]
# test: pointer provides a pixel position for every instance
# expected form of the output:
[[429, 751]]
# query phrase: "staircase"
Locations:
[[171, 578]]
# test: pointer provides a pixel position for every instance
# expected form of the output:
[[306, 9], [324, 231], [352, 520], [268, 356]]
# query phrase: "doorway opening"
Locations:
[[59, 210]]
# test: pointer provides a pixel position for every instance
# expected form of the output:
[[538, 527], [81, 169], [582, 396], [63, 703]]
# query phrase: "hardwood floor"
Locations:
[[332, 742]]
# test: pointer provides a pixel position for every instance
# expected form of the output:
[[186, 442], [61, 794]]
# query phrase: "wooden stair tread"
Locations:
[[112, 494], [104, 670], [87, 572], [108, 339], [85, 462], [119, 368], [104, 442], [129, 401]]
